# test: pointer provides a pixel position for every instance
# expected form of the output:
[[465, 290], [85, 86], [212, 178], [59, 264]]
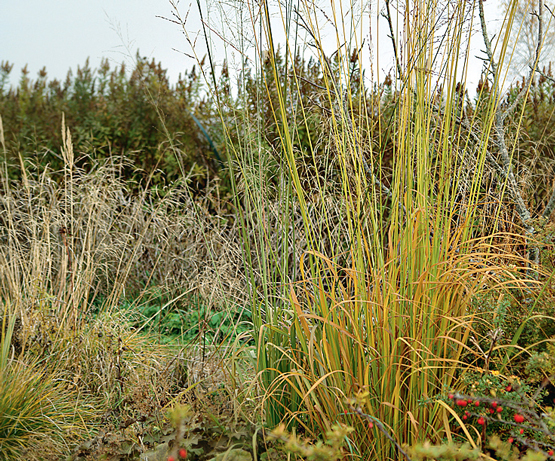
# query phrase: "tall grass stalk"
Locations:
[[361, 276]]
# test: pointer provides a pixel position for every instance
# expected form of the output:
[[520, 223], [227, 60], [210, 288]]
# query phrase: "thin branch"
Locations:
[[544, 75], [487, 41], [550, 206], [526, 85], [506, 163], [392, 37]]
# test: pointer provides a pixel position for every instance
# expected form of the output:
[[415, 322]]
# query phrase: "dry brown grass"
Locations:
[[67, 243], [65, 246]]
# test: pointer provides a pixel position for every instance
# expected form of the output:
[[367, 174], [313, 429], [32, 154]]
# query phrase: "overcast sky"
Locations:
[[61, 34]]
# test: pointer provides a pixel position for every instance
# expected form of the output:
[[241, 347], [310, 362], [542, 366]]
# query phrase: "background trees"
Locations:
[[524, 34]]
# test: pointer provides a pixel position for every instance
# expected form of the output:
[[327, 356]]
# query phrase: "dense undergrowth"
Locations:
[[365, 269]]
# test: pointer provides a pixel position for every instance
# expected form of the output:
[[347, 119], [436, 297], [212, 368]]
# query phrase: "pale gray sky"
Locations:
[[61, 34]]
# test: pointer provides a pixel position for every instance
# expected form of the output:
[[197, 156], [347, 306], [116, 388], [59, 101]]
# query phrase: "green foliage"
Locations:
[[490, 402], [190, 320], [502, 451], [445, 452], [541, 365], [331, 448], [136, 117], [509, 322], [209, 438], [504, 408]]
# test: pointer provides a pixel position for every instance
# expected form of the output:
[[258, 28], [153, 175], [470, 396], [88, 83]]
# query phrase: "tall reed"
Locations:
[[361, 272]]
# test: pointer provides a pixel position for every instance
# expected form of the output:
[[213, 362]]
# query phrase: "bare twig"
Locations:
[[526, 85], [504, 156], [392, 37], [550, 206], [544, 75]]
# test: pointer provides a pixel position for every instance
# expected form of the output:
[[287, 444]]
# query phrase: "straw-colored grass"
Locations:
[[35, 406], [72, 255]]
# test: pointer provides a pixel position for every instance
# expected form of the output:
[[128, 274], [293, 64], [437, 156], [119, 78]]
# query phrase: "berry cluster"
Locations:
[[505, 416], [182, 453]]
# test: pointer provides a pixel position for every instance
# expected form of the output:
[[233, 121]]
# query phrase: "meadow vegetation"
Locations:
[[289, 260]]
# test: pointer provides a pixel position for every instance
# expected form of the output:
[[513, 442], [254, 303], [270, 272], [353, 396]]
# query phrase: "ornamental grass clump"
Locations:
[[364, 247], [34, 406]]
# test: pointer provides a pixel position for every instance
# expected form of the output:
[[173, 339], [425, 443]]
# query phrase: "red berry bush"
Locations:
[[507, 409]]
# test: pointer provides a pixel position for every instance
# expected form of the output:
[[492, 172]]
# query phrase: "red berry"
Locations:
[[461, 403], [451, 396], [481, 421], [499, 409], [469, 401], [182, 453], [370, 424], [465, 417], [477, 403], [345, 411], [519, 418], [510, 440], [509, 388], [491, 411], [522, 431], [493, 404], [171, 458], [550, 452]]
